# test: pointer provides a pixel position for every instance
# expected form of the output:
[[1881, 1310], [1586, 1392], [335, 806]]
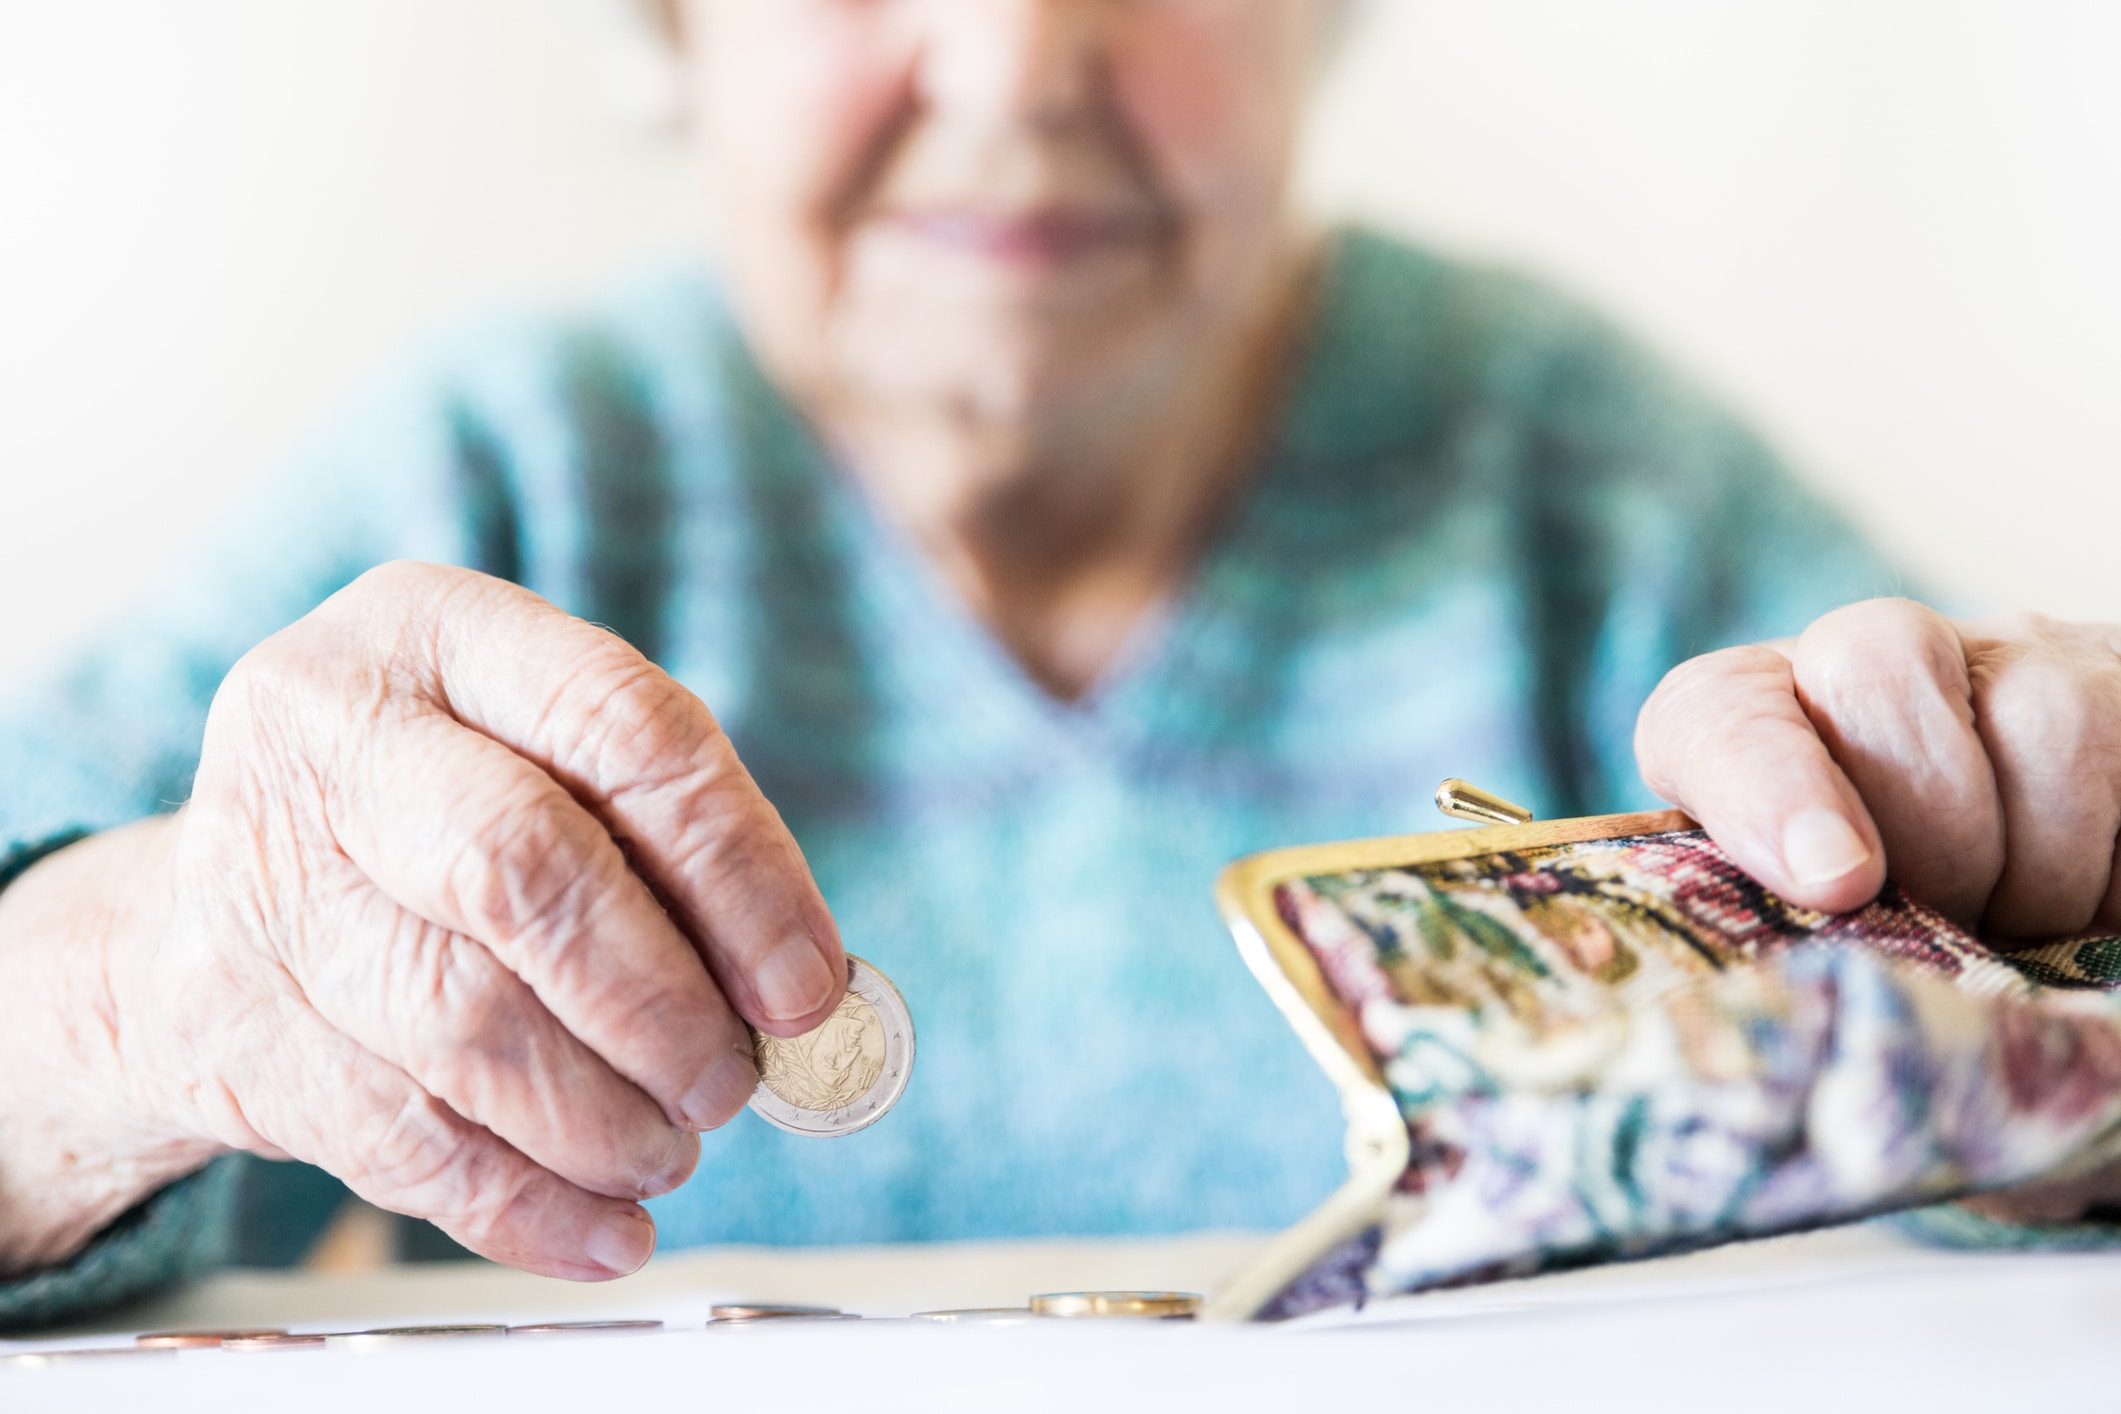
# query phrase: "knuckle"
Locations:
[[1677, 703], [268, 680], [469, 1011], [398, 580], [734, 836], [634, 724], [1862, 647], [2023, 627], [492, 1221], [519, 867], [2038, 702], [419, 1155]]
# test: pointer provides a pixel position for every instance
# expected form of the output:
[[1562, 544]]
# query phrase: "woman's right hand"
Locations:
[[469, 907]]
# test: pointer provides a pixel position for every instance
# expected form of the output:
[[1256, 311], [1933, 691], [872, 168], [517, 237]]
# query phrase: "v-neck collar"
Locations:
[[1180, 666]]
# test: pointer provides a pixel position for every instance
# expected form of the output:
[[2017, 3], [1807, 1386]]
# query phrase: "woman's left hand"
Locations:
[[1977, 761]]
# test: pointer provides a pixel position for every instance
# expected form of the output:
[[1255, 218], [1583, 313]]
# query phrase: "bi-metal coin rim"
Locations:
[[876, 989], [1166, 1305]]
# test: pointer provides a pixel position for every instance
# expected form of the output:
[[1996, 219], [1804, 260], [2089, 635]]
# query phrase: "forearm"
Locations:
[[84, 1132]]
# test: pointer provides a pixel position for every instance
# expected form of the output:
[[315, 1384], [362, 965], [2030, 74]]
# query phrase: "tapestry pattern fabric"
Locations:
[[1623, 1047]]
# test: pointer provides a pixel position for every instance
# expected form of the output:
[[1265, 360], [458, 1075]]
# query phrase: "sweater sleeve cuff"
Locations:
[[167, 1237], [16, 857], [170, 1236]]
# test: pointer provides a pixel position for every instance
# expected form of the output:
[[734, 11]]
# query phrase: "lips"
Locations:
[[1050, 237]]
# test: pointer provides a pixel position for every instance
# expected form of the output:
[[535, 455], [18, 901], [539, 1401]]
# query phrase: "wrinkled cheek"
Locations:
[[797, 114], [794, 123], [1213, 92]]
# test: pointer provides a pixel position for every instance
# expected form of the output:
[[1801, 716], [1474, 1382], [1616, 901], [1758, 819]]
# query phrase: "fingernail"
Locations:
[[684, 1158], [723, 1090], [620, 1242], [1819, 846], [794, 981]]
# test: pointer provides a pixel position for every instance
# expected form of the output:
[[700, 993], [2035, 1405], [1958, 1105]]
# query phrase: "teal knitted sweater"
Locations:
[[1486, 524]]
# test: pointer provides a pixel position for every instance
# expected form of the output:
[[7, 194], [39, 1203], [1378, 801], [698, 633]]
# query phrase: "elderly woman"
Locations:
[[1028, 516]]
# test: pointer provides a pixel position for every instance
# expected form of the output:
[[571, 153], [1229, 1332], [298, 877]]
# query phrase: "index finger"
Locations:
[[649, 760], [1725, 738]]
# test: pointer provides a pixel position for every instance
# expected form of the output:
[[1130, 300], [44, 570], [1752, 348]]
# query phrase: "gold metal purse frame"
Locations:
[[1378, 1146]]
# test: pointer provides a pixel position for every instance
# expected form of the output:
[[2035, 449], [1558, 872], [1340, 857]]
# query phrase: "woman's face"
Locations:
[[998, 210]]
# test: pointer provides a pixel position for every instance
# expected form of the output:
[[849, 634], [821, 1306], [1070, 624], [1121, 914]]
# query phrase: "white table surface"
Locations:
[[1849, 1319]]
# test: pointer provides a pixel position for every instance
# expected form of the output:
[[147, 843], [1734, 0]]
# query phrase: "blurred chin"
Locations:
[[1005, 366]]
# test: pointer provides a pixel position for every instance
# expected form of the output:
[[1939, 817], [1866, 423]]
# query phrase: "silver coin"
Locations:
[[587, 1328], [407, 1335], [846, 1073], [785, 1319]]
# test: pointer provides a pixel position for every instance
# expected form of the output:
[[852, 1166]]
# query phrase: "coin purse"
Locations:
[[1585, 1040]]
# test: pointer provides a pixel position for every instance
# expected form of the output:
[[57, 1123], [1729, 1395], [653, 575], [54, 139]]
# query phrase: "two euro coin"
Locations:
[[846, 1073]]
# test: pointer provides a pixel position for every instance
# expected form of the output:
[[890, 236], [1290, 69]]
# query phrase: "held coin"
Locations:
[[845, 1074]]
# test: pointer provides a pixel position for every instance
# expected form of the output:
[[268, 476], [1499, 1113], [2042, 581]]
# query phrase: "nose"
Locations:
[[1036, 62]]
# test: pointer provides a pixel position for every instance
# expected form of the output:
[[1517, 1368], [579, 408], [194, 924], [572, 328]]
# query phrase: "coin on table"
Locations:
[[200, 1340], [718, 1322], [1167, 1305], [980, 1315], [766, 1311], [586, 1328], [251, 1344], [845, 1074], [406, 1335]]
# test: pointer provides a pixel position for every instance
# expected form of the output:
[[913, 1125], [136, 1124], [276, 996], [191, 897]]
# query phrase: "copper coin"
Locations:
[[245, 1344], [763, 1311], [200, 1340]]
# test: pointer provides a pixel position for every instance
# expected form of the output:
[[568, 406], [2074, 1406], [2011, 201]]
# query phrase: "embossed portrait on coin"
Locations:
[[831, 1066]]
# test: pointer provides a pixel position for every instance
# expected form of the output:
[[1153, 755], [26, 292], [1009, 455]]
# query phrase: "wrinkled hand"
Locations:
[[1978, 762], [470, 905]]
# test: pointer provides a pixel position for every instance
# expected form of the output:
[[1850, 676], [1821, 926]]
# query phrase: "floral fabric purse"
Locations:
[[1593, 1039]]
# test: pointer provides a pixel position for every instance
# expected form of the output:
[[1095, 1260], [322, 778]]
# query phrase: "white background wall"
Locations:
[[1886, 229]]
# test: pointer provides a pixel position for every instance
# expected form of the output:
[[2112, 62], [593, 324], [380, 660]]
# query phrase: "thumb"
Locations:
[[1725, 739]]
